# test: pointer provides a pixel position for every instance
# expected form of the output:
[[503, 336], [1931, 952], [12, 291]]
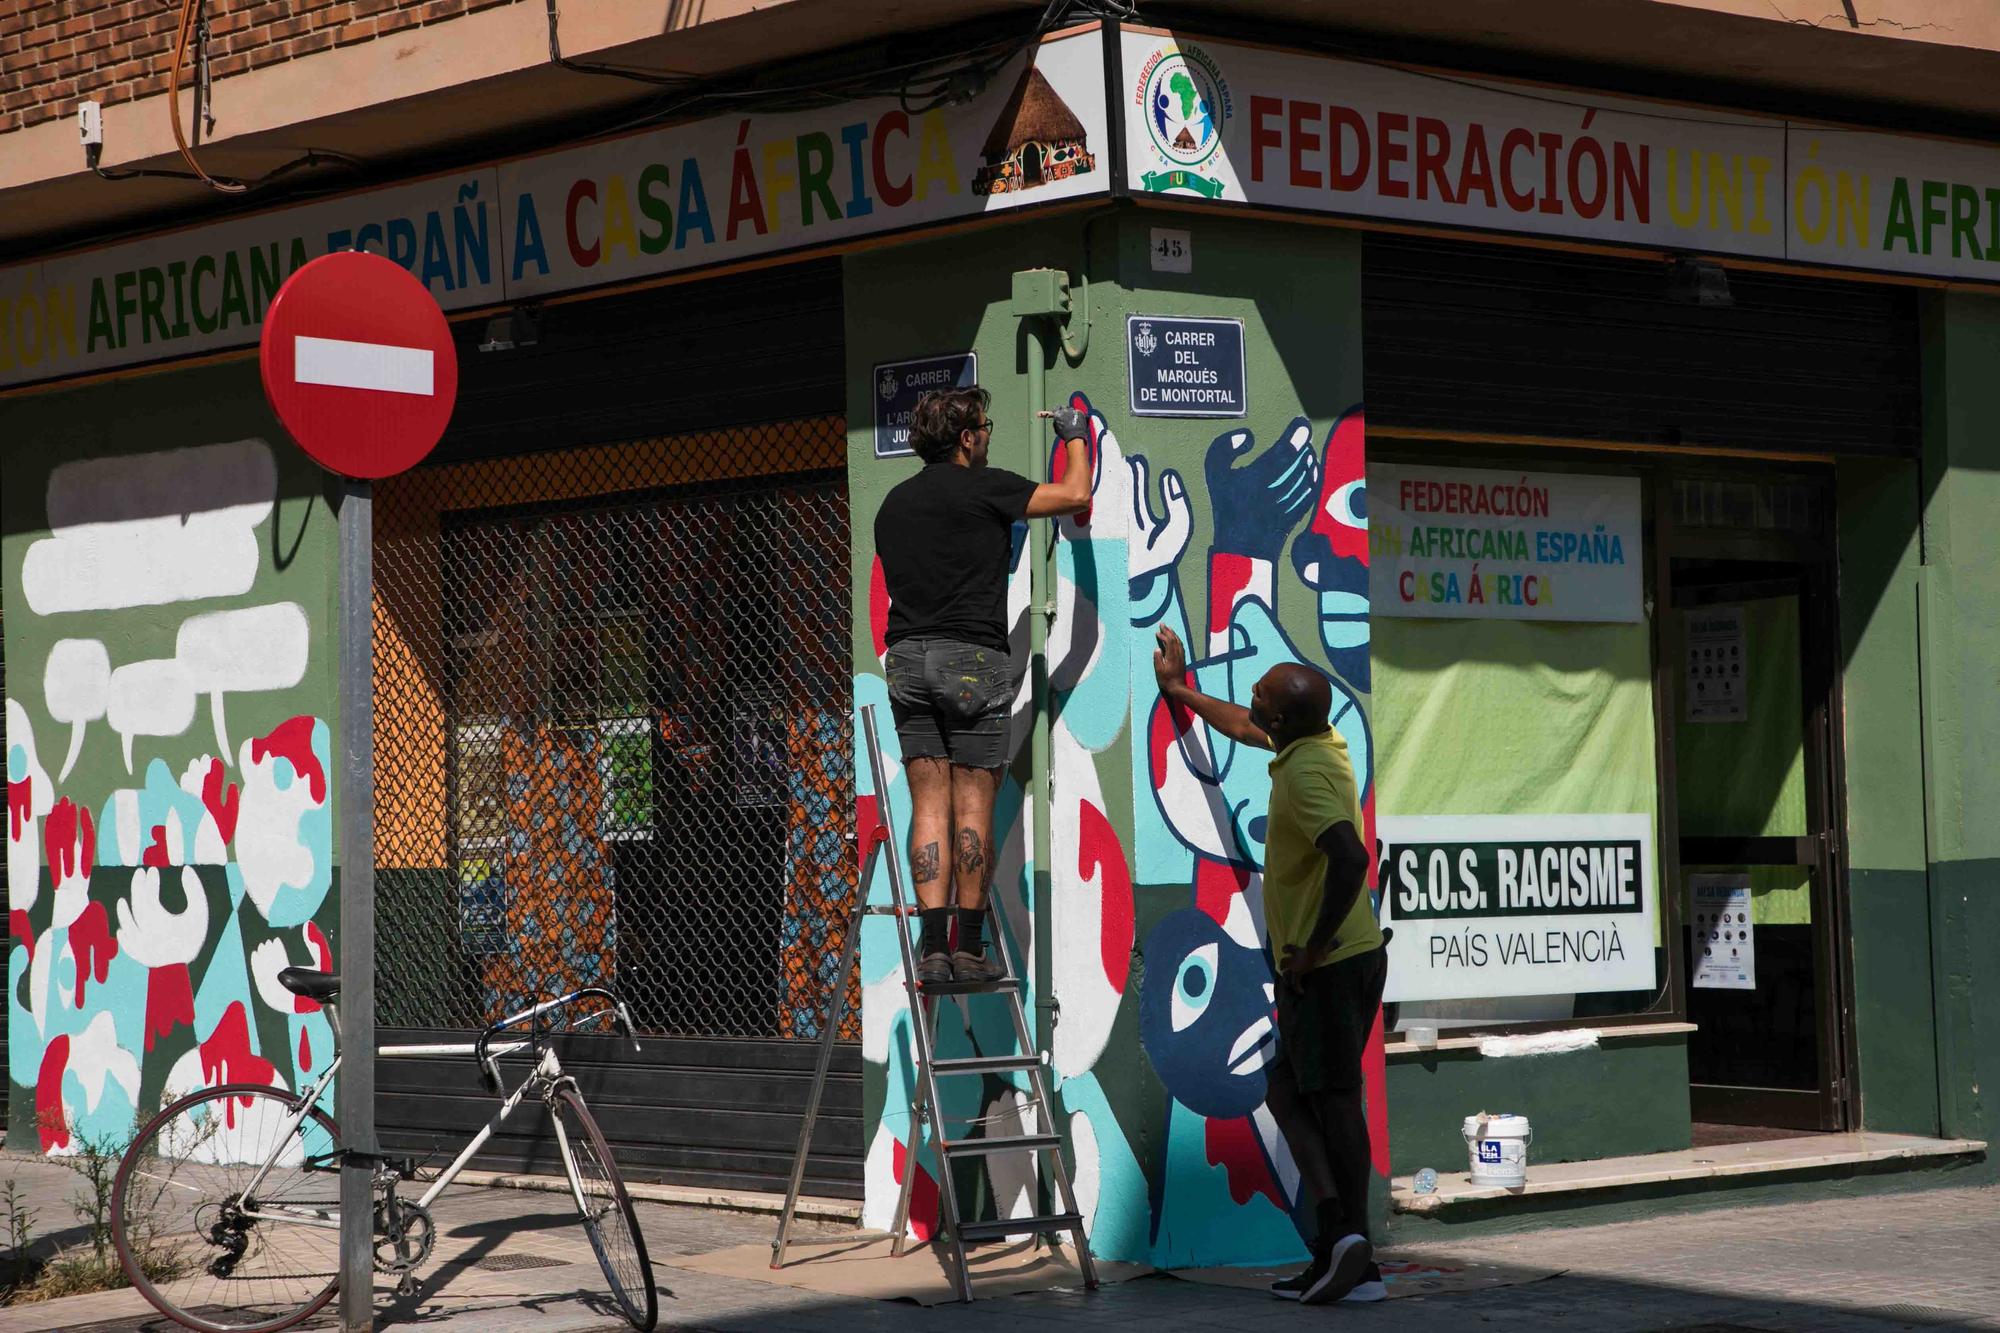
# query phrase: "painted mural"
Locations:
[[1158, 956], [169, 784]]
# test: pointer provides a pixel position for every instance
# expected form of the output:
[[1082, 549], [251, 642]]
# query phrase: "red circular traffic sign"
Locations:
[[359, 364]]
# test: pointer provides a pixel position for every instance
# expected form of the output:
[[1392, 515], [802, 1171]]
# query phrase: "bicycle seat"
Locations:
[[321, 986]]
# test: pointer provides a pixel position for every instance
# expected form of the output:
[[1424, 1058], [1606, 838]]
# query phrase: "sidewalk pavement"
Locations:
[[1927, 1259]]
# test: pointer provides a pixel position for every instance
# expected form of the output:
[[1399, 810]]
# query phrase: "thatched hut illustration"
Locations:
[[1036, 139]]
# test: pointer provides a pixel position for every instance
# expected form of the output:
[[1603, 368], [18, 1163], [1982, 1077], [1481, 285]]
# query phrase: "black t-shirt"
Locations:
[[945, 536]]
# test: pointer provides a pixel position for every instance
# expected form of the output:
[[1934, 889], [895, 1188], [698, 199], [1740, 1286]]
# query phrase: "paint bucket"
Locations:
[[1498, 1148]]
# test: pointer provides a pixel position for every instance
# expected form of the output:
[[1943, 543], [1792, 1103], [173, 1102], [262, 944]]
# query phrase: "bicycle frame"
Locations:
[[547, 1075]]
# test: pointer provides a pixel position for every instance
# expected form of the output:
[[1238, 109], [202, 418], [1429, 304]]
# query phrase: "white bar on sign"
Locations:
[[350, 365]]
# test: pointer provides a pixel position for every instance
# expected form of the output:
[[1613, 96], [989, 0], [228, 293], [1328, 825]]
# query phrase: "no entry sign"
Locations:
[[359, 364]]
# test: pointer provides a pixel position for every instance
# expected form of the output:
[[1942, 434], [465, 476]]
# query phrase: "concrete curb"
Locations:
[[743, 1201]]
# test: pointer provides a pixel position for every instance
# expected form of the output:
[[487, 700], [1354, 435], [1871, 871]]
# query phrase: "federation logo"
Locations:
[[1185, 101], [1146, 342], [887, 387]]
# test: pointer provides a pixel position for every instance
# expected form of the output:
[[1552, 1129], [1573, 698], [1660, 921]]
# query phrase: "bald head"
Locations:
[[1296, 700]]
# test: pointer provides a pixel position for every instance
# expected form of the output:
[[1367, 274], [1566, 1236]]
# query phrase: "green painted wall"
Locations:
[[1896, 1049], [168, 563], [1960, 644]]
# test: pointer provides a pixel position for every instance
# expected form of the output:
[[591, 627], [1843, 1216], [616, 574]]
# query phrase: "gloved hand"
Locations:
[[1072, 424]]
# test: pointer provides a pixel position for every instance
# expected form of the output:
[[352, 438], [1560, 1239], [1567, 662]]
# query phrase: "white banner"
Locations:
[[681, 197], [1503, 546], [1485, 906], [1881, 201], [1242, 124]]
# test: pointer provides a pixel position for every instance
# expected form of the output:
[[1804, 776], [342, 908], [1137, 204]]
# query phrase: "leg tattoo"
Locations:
[[924, 863], [971, 858]]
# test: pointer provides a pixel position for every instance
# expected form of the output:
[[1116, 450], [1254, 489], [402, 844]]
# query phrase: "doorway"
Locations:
[[1753, 644]]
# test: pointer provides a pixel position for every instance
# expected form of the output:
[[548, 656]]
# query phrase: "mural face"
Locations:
[[1157, 842], [165, 861]]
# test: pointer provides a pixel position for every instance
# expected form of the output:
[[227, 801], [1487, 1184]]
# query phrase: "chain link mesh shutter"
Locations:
[[613, 732]]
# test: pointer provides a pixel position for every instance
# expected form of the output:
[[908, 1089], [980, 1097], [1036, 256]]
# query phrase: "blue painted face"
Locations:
[[1205, 1015]]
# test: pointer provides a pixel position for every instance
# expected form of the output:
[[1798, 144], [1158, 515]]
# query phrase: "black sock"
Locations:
[[937, 929], [972, 930]]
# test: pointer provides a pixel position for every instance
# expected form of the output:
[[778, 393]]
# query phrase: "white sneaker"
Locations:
[[1348, 1262], [1366, 1293]]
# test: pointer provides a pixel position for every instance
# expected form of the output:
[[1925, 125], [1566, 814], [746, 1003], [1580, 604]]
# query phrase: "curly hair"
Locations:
[[941, 416]]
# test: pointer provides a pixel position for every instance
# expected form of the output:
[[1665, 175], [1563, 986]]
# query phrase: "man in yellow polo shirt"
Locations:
[[1328, 951]]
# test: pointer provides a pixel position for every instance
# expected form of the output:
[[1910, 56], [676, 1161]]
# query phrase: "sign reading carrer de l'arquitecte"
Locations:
[[1493, 905]]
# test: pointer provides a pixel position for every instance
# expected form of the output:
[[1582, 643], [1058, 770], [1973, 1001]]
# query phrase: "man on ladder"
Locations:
[[945, 537]]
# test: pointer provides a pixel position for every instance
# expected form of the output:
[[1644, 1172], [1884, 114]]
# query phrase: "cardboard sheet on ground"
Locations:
[[861, 1266], [1403, 1274]]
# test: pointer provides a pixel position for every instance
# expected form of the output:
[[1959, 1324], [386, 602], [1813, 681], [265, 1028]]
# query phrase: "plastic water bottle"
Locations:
[[1427, 1181]]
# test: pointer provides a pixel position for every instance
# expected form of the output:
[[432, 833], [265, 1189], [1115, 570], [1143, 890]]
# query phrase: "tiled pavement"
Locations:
[[1837, 1266]]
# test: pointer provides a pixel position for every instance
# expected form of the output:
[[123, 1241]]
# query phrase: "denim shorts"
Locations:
[[951, 700]]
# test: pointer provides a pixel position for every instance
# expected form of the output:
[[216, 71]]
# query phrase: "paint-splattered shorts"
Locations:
[[951, 701]]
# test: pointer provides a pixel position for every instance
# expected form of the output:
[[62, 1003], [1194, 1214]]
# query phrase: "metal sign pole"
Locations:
[[355, 1097]]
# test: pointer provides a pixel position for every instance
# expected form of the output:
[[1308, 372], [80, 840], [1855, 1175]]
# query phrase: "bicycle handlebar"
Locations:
[[489, 1066]]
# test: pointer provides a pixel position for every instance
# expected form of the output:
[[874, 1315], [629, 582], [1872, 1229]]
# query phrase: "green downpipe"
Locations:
[[1041, 615]]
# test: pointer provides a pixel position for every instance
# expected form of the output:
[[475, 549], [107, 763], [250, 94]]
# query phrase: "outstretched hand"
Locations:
[[1169, 661]]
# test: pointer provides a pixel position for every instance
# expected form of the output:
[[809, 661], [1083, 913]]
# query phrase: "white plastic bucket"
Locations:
[[1498, 1148]]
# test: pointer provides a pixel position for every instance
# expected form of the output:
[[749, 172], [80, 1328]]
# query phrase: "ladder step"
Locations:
[[987, 1064], [1001, 986], [1000, 1143], [977, 1231]]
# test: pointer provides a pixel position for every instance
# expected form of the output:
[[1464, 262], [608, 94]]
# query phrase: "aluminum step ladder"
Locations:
[[925, 1110]]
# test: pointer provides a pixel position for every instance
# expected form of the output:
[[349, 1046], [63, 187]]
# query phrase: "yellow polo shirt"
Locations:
[[1312, 789]]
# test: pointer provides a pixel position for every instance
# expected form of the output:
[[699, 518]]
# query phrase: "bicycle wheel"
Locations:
[[608, 1217], [183, 1234]]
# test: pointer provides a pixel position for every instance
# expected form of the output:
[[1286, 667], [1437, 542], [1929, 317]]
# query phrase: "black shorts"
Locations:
[[1323, 1029], [951, 700]]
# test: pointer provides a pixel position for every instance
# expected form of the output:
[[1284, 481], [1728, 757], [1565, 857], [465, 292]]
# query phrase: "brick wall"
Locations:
[[54, 53]]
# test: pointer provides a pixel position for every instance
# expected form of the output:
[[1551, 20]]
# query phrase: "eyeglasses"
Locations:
[[986, 425]]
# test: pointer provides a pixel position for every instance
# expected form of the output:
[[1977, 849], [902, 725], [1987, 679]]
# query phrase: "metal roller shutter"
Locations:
[[1487, 339]]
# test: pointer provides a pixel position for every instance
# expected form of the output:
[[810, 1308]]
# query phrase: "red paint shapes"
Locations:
[[1170, 722], [155, 855], [51, 1120], [169, 1001], [1368, 831], [923, 1195], [292, 740], [1097, 848], [70, 840], [222, 805], [1346, 462], [305, 1049], [19, 927], [1233, 1145], [868, 825], [1374, 1074], [20, 807], [226, 1056], [878, 607], [1228, 576], [1216, 884], [91, 941], [321, 949]]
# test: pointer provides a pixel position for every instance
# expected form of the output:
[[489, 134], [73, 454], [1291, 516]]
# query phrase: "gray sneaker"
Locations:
[[977, 967], [933, 969]]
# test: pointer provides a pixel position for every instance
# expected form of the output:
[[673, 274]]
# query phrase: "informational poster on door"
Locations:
[[1725, 942], [1717, 688], [1485, 906], [1503, 545]]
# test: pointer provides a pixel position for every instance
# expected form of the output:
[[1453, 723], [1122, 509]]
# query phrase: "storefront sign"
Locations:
[[682, 197], [1883, 202], [1717, 689], [1185, 367], [1250, 125], [1725, 943], [1503, 546], [898, 385], [1486, 906]]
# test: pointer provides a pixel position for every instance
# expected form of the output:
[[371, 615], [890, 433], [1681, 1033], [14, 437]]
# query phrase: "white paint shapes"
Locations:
[[256, 648], [215, 653], [24, 841], [95, 1055], [151, 933], [151, 529], [75, 685], [154, 698], [269, 851]]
